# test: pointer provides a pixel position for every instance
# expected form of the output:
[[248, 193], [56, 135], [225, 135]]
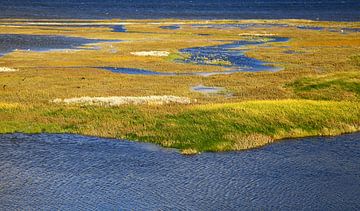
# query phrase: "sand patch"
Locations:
[[150, 53], [120, 100], [7, 69]]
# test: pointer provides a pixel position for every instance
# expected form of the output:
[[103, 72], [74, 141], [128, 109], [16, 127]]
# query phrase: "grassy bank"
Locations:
[[196, 128]]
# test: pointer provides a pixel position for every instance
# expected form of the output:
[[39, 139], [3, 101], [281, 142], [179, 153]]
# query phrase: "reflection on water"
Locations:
[[231, 55], [170, 27], [227, 55], [13, 42], [48, 172]]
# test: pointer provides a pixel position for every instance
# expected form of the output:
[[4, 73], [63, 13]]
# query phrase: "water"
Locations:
[[234, 59], [170, 27], [231, 55], [345, 10], [207, 89], [119, 28], [13, 42], [316, 28], [60, 172]]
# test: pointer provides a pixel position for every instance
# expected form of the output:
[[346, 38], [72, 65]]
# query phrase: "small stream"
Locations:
[[231, 55]]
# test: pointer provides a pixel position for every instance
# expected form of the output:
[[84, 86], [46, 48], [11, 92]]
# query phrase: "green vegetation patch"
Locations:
[[333, 86], [355, 60], [192, 129]]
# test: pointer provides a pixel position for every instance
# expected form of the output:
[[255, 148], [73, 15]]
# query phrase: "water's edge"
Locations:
[[110, 138]]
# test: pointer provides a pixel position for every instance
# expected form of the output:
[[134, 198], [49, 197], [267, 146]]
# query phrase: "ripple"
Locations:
[[61, 171]]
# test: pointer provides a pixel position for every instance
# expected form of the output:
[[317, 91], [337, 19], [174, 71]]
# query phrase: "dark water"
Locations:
[[62, 172], [345, 10], [12, 42], [119, 28], [238, 62], [316, 28], [231, 53]]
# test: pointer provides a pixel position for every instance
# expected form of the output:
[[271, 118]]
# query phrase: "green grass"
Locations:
[[332, 86], [218, 127], [355, 60]]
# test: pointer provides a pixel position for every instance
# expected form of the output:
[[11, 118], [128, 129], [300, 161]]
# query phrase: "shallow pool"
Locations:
[[14, 42]]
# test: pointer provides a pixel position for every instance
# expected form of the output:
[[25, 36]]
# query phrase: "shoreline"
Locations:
[[168, 136], [109, 138]]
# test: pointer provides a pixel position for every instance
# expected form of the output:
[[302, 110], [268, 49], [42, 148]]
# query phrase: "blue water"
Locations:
[[12, 42], [261, 25], [316, 28], [119, 28], [62, 172], [231, 53], [345, 10], [201, 55], [207, 89], [171, 27]]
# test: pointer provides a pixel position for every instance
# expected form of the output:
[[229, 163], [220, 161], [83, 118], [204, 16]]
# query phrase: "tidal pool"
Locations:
[[170, 27], [207, 89], [61, 172], [227, 55], [13, 42], [231, 55]]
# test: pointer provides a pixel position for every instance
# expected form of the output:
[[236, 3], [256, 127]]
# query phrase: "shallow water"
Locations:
[[13, 42], [207, 89], [345, 10], [51, 172], [119, 28], [171, 27], [316, 28], [230, 53]]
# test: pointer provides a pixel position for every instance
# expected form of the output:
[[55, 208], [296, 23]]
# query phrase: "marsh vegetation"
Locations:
[[316, 91]]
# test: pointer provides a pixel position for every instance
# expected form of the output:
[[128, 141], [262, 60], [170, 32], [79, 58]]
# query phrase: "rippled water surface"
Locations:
[[48, 172], [344, 10]]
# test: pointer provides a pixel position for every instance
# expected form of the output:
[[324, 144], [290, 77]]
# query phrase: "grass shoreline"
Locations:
[[193, 128]]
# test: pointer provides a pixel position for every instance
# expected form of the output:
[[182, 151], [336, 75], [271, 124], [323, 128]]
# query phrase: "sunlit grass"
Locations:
[[316, 93]]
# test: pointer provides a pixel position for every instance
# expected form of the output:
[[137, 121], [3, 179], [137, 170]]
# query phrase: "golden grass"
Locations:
[[7, 106]]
